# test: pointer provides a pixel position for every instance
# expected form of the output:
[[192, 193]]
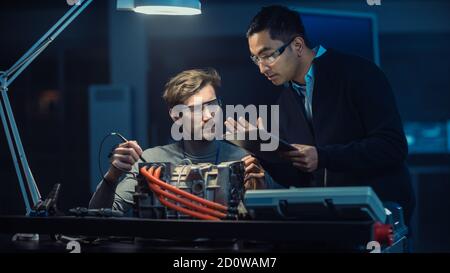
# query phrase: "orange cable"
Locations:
[[185, 202], [190, 196]]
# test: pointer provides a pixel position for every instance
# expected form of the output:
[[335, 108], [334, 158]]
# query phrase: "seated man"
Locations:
[[185, 89]]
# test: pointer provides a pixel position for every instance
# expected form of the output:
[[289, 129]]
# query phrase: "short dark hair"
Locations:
[[281, 22]]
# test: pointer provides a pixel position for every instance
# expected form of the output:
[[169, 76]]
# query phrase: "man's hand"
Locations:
[[242, 125], [123, 158], [304, 157], [254, 174]]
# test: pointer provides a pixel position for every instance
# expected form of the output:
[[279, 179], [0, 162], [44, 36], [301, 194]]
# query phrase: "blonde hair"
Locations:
[[187, 83]]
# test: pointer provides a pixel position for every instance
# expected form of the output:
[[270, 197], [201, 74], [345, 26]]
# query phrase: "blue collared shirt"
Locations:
[[306, 90]]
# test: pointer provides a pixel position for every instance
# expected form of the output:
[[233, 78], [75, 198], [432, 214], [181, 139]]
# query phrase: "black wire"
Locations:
[[100, 154]]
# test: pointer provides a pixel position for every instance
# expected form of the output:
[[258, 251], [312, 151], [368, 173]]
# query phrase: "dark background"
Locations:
[[50, 98]]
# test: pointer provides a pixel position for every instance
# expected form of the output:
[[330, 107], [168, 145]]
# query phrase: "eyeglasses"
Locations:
[[269, 59], [211, 105]]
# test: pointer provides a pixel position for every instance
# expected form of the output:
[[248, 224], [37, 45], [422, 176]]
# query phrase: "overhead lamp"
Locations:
[[25, 177], [161, 7]]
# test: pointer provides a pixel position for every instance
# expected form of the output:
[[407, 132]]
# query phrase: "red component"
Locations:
[[383, 233]]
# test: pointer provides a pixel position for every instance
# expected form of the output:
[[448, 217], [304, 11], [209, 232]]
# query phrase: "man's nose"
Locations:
[[262, 68], [207, 114]]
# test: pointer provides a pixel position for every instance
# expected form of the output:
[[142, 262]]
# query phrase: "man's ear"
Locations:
[[299, 44], [174, 115]]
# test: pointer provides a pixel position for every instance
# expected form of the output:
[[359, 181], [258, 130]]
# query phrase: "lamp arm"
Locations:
[[12, 73], [6, 113]]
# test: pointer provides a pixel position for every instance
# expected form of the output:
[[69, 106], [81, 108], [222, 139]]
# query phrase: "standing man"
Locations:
[[338, 111]]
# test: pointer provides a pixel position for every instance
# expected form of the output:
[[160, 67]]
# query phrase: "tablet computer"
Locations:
[[257, 148]]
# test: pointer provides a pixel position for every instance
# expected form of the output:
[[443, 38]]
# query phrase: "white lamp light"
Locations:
[[161, 7]]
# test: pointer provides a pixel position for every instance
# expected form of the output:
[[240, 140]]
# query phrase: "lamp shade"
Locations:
[[161, 7]]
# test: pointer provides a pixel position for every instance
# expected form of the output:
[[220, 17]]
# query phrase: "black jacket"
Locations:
[[356, 129]]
